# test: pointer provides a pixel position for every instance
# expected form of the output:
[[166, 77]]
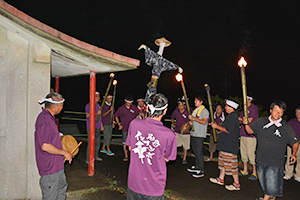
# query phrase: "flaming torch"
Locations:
[[207, 88], [242, 63], [113, 101], [112, 75], [179, 78]]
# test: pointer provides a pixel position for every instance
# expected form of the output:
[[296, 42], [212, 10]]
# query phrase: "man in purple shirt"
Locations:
[[295, 124], [98, 128], [126, 113], [48, 149], [151, 145], [108, 124], [248, 142], [219, 117], [181, 115]]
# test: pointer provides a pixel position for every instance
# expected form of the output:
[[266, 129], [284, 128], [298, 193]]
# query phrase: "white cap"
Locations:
[[232, 104]]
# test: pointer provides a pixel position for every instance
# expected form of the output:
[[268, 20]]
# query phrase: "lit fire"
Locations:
[[111, 75], [179, 77], [115, 82], [205, 85], [242, 62]]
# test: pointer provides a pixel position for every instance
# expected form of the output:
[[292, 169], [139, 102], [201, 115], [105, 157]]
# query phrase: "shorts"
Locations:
[[212, 144], [136, 196], [228, 162], [270, 179], [248, 147], [54, 186], [183, 140], [124, 136]]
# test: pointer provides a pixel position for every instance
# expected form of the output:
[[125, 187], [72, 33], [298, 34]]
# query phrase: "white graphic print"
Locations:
[[145, 146], [183, 115], [277, 133]]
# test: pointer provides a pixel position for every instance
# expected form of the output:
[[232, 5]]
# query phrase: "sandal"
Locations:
[[207, 159], [241, 173], [125, 159], [260, 198]]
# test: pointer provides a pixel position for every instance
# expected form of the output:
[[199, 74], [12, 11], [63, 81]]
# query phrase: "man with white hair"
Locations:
[[48, 149], [151, 145], [228, 146]]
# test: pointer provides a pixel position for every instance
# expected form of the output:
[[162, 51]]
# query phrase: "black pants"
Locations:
[[197, 148], [131, 195]]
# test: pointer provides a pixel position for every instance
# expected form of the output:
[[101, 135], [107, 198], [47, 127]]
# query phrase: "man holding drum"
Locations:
[[48, 149]]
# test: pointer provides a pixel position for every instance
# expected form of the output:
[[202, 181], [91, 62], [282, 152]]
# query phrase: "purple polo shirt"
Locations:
[[218, 121], [295, 124], [181, 118], [127, 115], [46, 132], [106, 119], [252, 113], [151, 142], [87, 110]]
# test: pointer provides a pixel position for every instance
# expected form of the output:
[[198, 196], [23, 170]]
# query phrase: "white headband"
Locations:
[[251, 98], [232, 104], [153, 109], [128, 101], [49, 100]]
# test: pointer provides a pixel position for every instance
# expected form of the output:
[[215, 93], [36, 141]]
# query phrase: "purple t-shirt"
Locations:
[[295, 124], [46, 132], [127, 115], [181, 118], [151, 142], [218, 120], [252, 113], [106, 119], [87, 110]]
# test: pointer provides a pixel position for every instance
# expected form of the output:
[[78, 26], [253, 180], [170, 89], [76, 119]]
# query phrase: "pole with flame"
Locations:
[[112, 75], [242, 63], [179, 78], [113, 100], [212, 119]]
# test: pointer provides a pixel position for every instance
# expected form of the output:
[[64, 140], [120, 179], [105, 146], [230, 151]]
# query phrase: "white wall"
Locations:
[[23, 81]]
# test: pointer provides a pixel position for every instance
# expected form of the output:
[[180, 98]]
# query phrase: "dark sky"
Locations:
[[207, 39]]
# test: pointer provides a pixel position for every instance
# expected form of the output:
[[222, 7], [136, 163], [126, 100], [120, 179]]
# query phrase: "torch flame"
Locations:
[[242, 62], [115, 82], [205, 85], [111, 75], [179, 77]]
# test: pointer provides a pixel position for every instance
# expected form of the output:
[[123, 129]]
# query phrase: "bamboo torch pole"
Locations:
[[212, 119], [112, 75], [113, 100], [242, 63], [179, 78]]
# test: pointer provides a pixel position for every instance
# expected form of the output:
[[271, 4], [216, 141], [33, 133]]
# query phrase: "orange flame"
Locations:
[[111, 75], [115, 82], [179, 77], [242, 62]]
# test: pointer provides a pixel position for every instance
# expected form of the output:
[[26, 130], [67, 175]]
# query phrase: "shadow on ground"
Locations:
[[110, 181]]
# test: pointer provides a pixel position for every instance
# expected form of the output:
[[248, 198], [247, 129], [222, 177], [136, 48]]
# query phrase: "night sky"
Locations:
[[207, 38]]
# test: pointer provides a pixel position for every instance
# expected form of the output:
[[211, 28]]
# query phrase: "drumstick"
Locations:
[[74, 149]]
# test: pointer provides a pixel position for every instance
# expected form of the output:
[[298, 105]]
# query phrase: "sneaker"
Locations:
[[103, 151], [217, 181], [193, 169], [253, 177], [184, 162], [233, 187], [98, 159], [110, 153], [198, 174], [287, 177], [297, 179]]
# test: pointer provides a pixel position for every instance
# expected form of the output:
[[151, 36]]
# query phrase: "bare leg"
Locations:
[[103, 146], [108, 149], [267, 197], [184, 153], [245, 167], [254, 169], [222, 174], [236, 178], [125, 150], [211, 155]]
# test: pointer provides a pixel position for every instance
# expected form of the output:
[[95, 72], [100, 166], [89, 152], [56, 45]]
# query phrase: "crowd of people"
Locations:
[[149, 144]]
